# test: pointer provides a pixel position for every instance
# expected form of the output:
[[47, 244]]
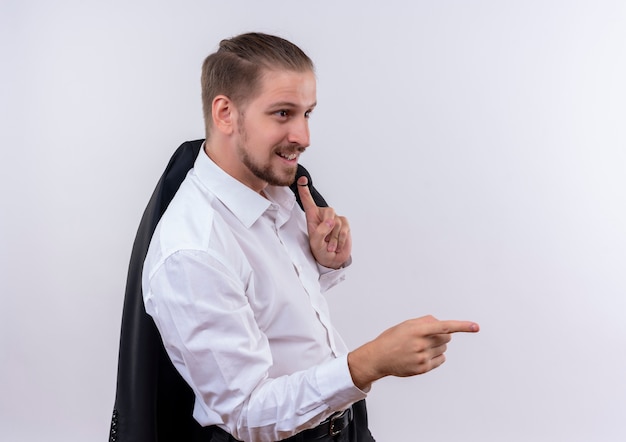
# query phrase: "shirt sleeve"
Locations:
[[210, 334]]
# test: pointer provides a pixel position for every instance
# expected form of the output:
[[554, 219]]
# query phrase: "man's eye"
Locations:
[[283, 113]]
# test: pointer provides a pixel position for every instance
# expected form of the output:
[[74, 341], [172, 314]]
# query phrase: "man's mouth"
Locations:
[[289, 156]]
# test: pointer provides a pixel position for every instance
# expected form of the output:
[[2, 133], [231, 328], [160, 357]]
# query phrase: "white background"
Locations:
[[478, 148]]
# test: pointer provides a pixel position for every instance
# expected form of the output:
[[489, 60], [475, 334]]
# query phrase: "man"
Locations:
[[235, 271]]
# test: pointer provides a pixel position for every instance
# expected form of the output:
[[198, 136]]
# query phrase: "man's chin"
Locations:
[[287, 180], [284, 177]]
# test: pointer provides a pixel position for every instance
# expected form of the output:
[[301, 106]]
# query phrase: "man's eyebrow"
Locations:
[[290, 104]]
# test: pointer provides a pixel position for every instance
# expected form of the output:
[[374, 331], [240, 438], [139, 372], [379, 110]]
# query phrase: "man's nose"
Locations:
[[299, 132]]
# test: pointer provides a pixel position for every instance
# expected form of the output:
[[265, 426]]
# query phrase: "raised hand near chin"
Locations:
[[329, 234]]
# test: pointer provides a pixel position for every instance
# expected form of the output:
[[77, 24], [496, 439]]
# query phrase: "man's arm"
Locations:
[[211, 334]]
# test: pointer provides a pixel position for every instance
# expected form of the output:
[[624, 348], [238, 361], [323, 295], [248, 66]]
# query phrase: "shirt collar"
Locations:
[[246, 204]]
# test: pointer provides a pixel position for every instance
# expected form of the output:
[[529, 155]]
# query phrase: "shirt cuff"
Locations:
[[331, 277], [336, 386]]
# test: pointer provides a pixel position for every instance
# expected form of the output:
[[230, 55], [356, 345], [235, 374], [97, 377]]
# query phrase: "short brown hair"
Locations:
[[236, 68]]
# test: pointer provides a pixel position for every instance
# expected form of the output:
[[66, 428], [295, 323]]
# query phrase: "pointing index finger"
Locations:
[[448, 327], [305, 194]]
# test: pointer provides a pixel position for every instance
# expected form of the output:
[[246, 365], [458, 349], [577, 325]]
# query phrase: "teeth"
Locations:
[[292, 156]]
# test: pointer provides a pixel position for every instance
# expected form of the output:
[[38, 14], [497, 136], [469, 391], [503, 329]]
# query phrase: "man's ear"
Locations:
[[223, 111]]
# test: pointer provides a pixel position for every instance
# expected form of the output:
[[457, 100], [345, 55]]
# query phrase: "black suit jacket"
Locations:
[[153, 403]]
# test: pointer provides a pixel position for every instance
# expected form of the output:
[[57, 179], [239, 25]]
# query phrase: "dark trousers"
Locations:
[[357, 431]]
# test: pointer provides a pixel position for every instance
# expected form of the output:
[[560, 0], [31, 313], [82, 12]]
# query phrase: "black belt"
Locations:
[[326, 431], [331, 427]]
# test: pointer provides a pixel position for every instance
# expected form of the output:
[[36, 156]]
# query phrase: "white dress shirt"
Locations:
[[237, 297]]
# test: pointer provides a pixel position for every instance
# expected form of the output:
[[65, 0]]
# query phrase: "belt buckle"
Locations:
[[331, 428]]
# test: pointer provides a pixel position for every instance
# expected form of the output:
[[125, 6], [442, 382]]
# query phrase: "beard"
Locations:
[[273, 176]]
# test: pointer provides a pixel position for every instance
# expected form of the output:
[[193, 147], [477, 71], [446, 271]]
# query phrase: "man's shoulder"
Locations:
[[187, 222]]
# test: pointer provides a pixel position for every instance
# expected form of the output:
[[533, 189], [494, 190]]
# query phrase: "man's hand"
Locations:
[[410, 348], [329, 234]]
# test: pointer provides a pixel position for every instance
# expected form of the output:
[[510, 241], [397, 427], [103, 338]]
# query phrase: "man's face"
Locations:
[[273, 128]]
